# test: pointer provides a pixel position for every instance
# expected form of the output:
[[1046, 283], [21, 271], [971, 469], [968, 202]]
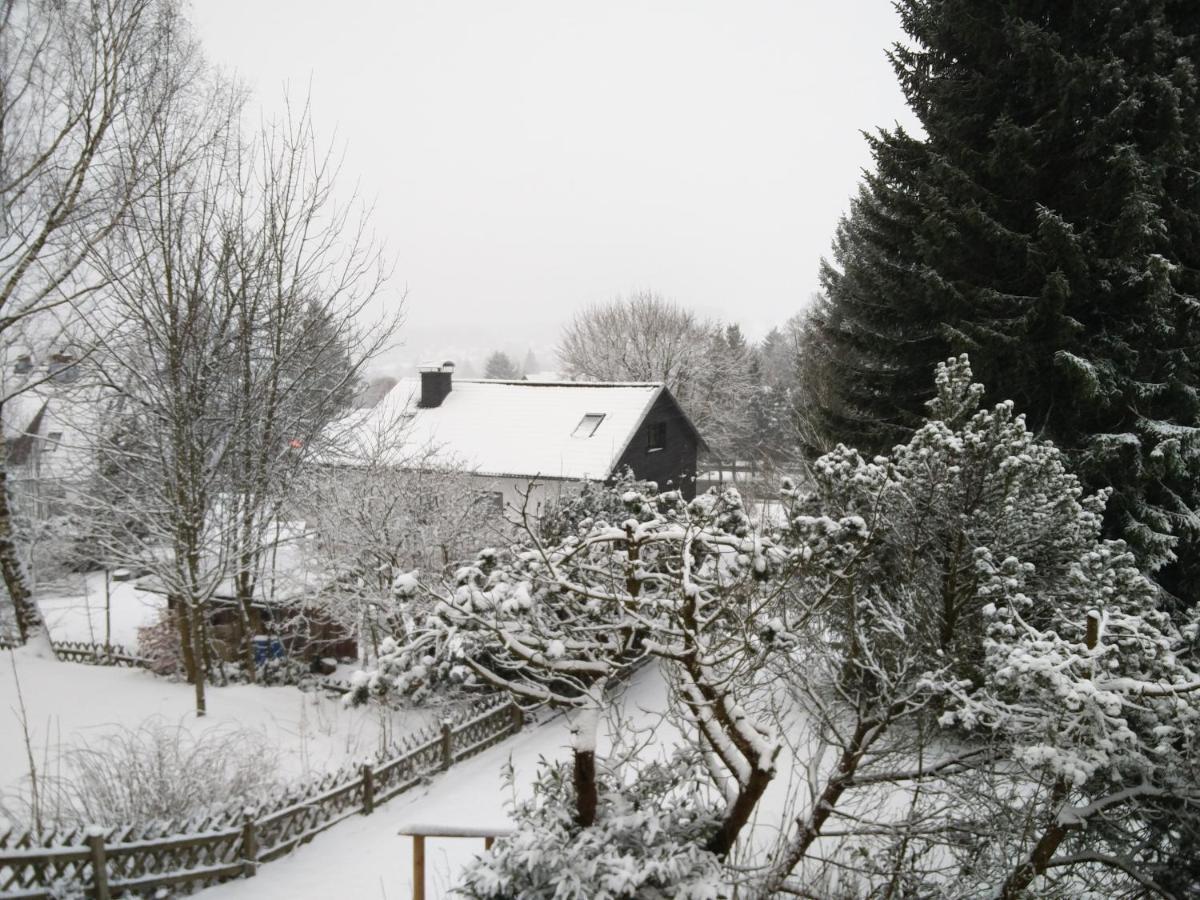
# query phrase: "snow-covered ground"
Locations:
[[74, 610], [365, 856], [71, 704]]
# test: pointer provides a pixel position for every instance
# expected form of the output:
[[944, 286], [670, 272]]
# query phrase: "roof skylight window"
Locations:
[[587, 425]]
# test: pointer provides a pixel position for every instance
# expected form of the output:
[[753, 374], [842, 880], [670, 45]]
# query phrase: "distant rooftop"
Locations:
[[562, 429]]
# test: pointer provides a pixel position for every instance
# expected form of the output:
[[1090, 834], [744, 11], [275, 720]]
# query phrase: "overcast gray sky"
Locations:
[[528, 157]]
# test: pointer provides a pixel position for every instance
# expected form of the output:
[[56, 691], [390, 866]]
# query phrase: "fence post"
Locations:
[[517, 716], [249, 845], [368, 780], [418, 867], [447, 744], [95, 842]]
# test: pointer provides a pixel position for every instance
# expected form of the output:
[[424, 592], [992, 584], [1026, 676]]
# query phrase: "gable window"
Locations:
[[53, 439], [587, 425], [656, 437]]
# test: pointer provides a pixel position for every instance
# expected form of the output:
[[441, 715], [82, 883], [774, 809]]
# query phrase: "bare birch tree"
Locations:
[[233, 337], [303, 272], [167, 330], [83, 86]]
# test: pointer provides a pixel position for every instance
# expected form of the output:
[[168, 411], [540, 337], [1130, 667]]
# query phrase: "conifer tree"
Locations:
[[501, 367], [1049, 224], [531, 364]]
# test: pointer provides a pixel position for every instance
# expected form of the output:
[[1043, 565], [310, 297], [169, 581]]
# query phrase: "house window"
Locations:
[[53, 439], [491, 501], [587, 425], [656, 437], [63, 368]]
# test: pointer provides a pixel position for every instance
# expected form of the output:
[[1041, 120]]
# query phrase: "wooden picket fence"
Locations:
[[108, 862], [85, 652], [97, 654]]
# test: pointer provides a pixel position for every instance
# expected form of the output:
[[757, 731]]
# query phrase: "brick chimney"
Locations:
[[435, 384]]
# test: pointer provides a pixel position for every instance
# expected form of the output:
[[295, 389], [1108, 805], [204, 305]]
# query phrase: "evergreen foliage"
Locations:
[[1049, 224], [647, 842], [501, 367]]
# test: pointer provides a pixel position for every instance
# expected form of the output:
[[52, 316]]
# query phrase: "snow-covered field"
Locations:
[[71, 704], [74, 610]]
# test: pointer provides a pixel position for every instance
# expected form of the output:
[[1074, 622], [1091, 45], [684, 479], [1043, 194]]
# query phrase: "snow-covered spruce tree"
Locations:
[[1045, 224], [986, 606]]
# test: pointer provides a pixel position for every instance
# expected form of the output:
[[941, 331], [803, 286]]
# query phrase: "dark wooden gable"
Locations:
[[664, 448]]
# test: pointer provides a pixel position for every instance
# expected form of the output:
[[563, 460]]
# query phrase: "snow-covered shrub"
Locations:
[[596, 502], [646, 843], [686, 582], [985, 604], [972, 491], [158, 644], [160, 771], [929, 612]]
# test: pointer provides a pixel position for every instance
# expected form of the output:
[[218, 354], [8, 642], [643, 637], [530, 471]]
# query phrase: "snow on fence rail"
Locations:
[[108, 862]]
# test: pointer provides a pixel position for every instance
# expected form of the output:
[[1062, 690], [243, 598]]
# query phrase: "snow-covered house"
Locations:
[[46, 420], [545, 438]]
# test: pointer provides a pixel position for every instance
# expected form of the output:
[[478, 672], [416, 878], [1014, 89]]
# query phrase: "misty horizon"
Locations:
[[526, 163]]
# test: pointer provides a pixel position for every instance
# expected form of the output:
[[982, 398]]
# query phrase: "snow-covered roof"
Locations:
[[48, 429], [518, 428]]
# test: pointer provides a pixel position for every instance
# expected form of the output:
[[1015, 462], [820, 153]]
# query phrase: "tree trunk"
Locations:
[[251, 622], [183, 623], [739, 814], [199, 656], [1043, 851], [823, 808], [950, 596], [29, 618], [585, 787], [584, 729]]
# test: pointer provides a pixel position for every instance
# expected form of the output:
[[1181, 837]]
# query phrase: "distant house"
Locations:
[[555, 435], [45, 420]]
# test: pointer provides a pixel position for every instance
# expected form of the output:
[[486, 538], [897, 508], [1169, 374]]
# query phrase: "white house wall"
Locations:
[[513, 491]]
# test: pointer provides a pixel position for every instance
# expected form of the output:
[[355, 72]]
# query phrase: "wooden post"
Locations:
[[368, 780], [249, 845], [488, 841], [95, 842], [447, 744], [1092, 636], [418, 867], [518, 717]]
